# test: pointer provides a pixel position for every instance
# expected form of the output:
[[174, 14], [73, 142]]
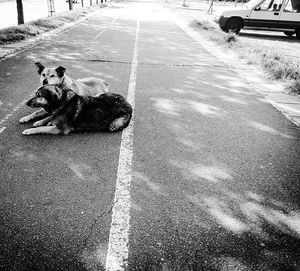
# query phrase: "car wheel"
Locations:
[[289, 33], [298, 33], [233, 25]]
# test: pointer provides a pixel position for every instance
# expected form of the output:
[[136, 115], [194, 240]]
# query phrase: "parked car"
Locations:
[[275, 15]]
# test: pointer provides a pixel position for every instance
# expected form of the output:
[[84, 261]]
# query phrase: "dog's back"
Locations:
[[90, 86], [109, 111]]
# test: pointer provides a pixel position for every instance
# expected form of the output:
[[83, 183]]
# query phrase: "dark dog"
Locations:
[[71, 112]]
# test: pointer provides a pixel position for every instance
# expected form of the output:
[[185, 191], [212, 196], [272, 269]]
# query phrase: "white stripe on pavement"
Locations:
[[7, 116], [2, 129], [101, 32], [117, 254]]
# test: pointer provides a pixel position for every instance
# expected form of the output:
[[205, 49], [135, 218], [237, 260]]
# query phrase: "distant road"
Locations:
[[33, 9]]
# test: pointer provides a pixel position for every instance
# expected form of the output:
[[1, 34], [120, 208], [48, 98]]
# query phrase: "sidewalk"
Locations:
[[273, 92]]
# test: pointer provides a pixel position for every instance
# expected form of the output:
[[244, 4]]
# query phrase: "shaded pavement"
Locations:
[[215, 170]]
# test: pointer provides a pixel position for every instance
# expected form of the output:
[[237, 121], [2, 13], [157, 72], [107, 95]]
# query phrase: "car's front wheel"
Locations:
[[233, 25]]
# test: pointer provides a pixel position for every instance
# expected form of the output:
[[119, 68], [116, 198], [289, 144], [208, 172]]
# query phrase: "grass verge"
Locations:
[[37, 27], [277, 65]]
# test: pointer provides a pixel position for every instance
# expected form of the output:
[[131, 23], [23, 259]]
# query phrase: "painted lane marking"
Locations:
[[117, 254], [103, 30], [2, 129], [7, 116], [99, 34]]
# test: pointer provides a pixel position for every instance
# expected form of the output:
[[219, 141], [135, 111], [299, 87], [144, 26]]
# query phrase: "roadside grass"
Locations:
[[277, 65], [37, 27]]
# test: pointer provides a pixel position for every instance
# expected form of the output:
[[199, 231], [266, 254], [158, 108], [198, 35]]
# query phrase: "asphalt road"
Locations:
[[214, 177]]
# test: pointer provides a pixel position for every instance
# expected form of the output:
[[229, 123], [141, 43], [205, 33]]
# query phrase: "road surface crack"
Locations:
[[148, 63], [104, 213], [153, 64]]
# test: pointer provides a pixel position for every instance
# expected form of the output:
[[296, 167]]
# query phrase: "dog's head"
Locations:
[[50, 97], [47, 97], [50, 76]]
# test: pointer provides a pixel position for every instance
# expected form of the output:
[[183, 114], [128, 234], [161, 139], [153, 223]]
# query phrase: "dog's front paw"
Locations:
[[28, 131], [38, 123], [112, 128], [24, 120]]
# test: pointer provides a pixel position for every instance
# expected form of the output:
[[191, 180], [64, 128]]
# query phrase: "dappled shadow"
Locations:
[[56, 201], [250, 213], [209, 163], [266, 228], [197, 222], [213, 228], [92, 46], [268, 129], [216, 181]]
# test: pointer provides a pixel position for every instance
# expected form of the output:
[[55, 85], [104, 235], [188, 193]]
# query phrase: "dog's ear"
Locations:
[[40, 67], [60, 71]]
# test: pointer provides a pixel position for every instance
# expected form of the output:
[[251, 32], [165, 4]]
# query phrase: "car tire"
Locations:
[[289, 33], [298, 33], [233, 25]]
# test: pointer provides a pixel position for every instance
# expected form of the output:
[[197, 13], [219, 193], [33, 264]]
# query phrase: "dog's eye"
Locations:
[[52, 75], [43, 75]]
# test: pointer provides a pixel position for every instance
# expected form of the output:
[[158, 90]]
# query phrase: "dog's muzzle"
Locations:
[[45, 82], [29, 102]]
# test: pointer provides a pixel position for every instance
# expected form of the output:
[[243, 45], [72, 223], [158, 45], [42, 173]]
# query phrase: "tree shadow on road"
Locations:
[[219, 189]]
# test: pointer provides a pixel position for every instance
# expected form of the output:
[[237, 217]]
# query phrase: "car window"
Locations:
[[253, 3], [270, 5], [288, 7], [292, 6]]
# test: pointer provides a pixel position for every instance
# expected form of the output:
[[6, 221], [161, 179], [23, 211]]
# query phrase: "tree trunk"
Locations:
[[70, 4], [20, 12]]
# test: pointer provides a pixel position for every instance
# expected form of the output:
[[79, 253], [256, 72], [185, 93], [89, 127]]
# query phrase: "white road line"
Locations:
[[103, 30], [117, 254], [2, 129], [99, 34], [7, 116]]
